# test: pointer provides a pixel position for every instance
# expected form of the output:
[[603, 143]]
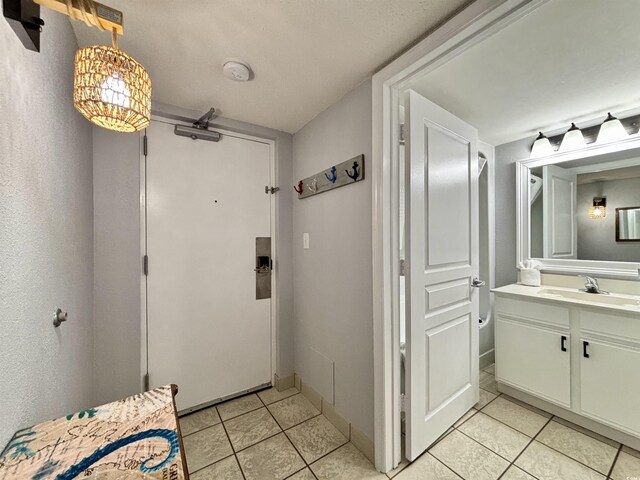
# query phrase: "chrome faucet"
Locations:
[[591, 286]]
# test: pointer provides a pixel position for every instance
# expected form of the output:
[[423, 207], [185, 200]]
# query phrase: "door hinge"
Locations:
[[403, 267], [271, 190], [145, 381], [403, 402], [401, 134], [145, 145], [145, 265]]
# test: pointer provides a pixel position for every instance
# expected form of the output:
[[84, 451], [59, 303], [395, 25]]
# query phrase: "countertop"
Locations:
[[584, 300]]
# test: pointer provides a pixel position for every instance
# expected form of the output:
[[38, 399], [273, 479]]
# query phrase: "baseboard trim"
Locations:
[[283, 383], [355, 436], [487, 358]]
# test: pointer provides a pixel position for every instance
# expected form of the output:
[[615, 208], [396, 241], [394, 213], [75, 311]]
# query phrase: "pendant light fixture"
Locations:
[[110, 88], [541, 147], [572, 140], [611, 130]]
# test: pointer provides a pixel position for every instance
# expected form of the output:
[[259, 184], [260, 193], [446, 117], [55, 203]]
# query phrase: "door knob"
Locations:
[[477, 283]]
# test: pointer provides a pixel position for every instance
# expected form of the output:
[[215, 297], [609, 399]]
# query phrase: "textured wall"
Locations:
[[117, 264], [333, 305], [597, 238], [46, 233]]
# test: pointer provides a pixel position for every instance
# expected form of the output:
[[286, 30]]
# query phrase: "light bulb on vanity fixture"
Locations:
[[541, 147], [599, 208], [611, 130], [572, 140]]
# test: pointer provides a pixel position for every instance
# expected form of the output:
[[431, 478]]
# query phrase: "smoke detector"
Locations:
[[237, 70]]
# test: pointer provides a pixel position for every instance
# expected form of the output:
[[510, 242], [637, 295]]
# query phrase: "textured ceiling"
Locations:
[[568, 60], [306, 54]]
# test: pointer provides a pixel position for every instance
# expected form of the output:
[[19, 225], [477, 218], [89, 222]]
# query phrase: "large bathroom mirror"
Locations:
[[580, 211]]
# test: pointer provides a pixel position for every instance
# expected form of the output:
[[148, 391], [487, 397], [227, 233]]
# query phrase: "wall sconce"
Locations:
[[111, 89], [599, 208], [572, 140], [541, 147], [611, 130]]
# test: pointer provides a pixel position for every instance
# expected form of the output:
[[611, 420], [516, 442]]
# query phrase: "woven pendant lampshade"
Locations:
[[111, 89]]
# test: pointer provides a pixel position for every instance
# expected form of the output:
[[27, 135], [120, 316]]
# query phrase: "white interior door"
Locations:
[[206, 205], [560, 227], [442, 258]]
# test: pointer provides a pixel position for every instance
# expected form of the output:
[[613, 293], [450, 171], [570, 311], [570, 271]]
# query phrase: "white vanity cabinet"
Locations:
[[577, 361], [532, 348], [609, 369]]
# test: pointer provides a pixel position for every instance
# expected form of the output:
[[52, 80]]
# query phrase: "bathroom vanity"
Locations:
[[572, 353]]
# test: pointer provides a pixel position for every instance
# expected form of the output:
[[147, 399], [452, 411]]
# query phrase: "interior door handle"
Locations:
[[585, 344], [563, 343], [477, 283]]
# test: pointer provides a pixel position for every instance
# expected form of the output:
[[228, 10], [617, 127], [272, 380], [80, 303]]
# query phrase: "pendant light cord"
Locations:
[[89, 15]]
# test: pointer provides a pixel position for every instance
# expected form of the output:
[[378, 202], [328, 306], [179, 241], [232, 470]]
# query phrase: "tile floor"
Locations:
[[270, 435], [281, 435], [502, 438]]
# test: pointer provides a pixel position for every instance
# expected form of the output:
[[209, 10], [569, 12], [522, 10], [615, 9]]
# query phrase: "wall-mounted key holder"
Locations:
[[345, 173]]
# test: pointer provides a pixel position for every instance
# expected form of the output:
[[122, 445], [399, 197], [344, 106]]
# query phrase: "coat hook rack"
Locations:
[[333, 177], [313, 186], [345, 173], [354, 176]]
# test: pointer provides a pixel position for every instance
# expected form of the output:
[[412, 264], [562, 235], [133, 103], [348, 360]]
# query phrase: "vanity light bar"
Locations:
[[590, 134]]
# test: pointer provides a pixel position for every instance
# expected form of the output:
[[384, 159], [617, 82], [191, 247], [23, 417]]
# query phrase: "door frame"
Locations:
[[467, 28], [274, 212]]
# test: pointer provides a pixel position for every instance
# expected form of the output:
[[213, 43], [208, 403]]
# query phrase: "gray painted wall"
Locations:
[[506, 157], [117, 255], [333, 305], [46, 239], [597, 237], [117, 264]]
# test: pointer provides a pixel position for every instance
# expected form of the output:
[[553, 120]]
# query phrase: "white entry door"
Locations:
[[560, 225], [441, 157], [206, 204]]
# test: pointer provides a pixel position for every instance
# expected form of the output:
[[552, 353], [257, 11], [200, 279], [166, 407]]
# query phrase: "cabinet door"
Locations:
[[610, 384], [534, 359]]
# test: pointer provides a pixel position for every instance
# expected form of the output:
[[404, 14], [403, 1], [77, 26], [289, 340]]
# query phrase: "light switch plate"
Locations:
[[305, 241]]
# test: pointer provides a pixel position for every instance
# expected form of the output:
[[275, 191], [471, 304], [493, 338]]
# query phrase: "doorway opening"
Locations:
[[393, 310]]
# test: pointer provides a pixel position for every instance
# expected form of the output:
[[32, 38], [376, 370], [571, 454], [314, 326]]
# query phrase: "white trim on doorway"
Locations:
[[478, 21], [273, 173]]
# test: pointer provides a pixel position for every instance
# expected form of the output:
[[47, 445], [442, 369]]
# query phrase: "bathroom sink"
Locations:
[[611, 299]]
